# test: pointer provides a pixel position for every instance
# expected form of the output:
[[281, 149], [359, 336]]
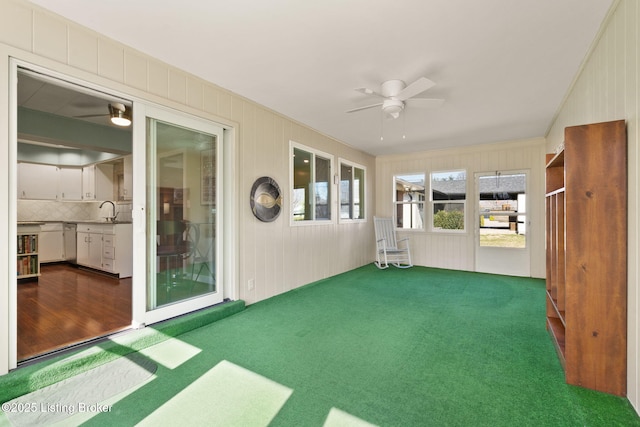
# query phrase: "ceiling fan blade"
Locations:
[[86, 116], [425, 102], [365, 107], [368, 91], [415, 88]]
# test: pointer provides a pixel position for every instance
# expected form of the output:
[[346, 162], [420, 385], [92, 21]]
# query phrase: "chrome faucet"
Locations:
[[113, 207]]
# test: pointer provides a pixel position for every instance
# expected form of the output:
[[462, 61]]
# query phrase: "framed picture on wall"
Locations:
[[208, 177]]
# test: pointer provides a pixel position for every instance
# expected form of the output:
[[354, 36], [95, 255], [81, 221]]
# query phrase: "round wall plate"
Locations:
[[266, 200]]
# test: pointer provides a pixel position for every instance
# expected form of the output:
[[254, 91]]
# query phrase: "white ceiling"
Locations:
[[503, 66]]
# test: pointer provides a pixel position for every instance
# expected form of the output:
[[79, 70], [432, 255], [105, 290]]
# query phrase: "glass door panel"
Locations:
[[182, 219], [502, 205], [502, 223]]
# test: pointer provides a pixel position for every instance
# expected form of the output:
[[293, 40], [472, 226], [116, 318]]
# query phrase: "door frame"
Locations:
[[512, 261]]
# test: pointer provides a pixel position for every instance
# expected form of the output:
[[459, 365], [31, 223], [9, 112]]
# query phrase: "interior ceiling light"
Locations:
[[392, 107], [120, 115]]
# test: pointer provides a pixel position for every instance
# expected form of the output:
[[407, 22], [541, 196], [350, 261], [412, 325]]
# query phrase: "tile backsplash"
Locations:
[[51, 210]]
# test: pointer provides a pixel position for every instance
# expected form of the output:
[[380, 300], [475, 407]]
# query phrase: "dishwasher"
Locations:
[[70, 243]]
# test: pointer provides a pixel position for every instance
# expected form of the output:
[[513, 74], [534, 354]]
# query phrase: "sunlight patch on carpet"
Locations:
[[81, 394], [171, 353], [338, 418], [227, 395]]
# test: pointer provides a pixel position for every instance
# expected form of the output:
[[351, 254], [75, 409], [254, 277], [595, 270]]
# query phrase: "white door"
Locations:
[[501, 223], [183, 214]]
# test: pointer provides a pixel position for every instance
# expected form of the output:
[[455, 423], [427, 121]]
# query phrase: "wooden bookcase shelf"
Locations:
[[586, 240], [28, 260]]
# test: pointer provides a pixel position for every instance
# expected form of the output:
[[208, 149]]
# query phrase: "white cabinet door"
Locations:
[[51, 243], [104, 181], [89, 182], [39, 182], [70, 183], [127, 192], [89, 249], [82, 248], [97, 182]]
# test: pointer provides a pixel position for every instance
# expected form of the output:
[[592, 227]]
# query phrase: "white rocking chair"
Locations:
[[389, 250]]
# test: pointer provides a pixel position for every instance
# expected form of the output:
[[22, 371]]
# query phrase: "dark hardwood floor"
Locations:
[[68, 305]]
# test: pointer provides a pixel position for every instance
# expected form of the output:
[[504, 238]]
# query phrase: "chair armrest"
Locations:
[[381, 243]]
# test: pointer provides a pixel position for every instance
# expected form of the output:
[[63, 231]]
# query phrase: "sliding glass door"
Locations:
[[183, 219]]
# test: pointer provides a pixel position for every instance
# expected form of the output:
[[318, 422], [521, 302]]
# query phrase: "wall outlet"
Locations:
[[251, 284]]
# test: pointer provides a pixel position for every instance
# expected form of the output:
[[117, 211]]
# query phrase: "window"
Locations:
[[448, 196], [351, 191], [409, 193], [311, 192]]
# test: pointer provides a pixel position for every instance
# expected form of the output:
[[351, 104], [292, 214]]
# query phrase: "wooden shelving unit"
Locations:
[[586, 239], [28, 260]]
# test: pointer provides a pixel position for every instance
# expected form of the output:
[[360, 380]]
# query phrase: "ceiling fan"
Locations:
[[396, 95], [119, 113]]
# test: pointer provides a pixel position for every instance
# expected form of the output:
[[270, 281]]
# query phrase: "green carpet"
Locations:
[[416, 347]]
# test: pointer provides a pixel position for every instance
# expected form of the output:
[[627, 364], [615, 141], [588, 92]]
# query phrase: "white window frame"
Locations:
[[433, 202], [331, 185], [362, 203]]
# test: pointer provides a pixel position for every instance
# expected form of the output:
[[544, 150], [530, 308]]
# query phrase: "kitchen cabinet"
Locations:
[[36, 181], [51, 247], [97, 182], [106, 247], [89, 246], [70, 183], [127, 191]]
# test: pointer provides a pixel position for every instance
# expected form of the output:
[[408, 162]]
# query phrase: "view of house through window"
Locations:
[[448, 195], [351, 191], [409, 201], [502, 208], [311, 195]]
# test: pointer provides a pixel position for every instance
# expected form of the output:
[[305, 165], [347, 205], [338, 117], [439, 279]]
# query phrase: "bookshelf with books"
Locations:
[[28, 261]]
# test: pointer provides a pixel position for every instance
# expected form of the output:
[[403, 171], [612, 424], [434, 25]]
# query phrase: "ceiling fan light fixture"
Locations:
[[392, 108], [119, 116]]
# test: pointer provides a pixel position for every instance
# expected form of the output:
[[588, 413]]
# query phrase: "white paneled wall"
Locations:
[[607, 89], [457, 251], [275, 255]]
